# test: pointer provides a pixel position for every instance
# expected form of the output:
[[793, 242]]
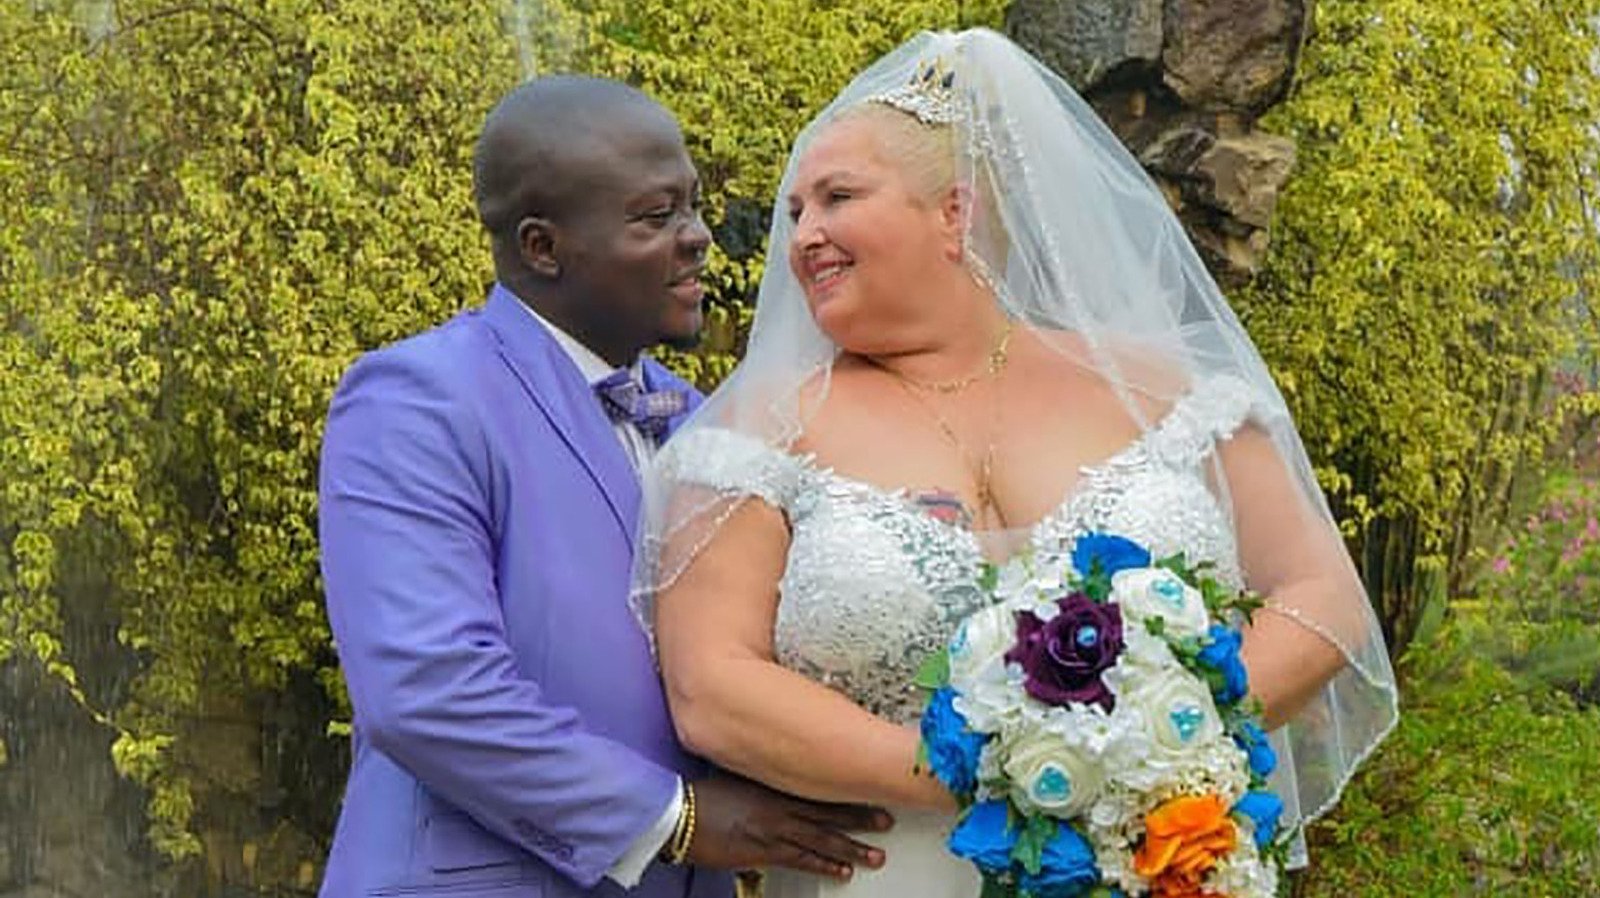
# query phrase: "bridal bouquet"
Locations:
[[1093, 722]]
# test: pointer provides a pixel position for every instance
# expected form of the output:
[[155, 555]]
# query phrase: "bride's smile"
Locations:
[[865, 225]]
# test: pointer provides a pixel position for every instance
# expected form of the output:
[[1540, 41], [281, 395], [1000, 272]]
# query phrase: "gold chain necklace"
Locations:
[[998, 358]]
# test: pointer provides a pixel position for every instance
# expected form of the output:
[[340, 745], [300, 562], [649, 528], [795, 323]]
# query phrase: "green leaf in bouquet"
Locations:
[[1156, 626], [1036, 834], [996, 888], [934, 672], [1177, 564], [1278, 850], [988, 576], [1186, 649], [1247, 603], [1097, 585], [1219, 599]]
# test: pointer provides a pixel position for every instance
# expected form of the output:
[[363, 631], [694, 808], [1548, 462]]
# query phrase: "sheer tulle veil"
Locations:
[[1074, 239]]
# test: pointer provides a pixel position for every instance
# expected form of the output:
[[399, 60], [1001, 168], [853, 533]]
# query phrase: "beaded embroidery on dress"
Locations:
[[874, 583]]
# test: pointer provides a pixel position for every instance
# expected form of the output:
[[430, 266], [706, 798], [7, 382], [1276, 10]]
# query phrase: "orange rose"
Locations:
[[1182, 841]]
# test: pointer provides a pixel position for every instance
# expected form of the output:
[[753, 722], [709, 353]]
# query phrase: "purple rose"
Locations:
[[1063, 659]]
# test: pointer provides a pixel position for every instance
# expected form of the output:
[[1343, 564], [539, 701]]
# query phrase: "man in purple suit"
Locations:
[[478, 501]]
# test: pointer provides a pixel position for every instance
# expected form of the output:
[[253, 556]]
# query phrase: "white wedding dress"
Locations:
[[873, 583]]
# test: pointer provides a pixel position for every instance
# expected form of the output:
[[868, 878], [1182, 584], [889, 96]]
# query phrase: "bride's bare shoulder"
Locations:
[[837, 394], [1105, 367]]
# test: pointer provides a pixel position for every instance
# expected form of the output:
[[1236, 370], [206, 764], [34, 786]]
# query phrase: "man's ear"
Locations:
[[536, 244]]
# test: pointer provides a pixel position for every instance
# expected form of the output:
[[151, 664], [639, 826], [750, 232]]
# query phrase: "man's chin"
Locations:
[[685, 333], [686, 342]]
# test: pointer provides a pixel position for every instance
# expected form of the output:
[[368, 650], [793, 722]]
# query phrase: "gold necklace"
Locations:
[[998, 358]]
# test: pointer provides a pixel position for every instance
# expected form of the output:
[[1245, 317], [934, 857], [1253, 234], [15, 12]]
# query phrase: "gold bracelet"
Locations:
[[693, 816], [676, 851], [683, 838]]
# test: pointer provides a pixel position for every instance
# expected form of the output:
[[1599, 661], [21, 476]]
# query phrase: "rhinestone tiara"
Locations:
[[930, 95]]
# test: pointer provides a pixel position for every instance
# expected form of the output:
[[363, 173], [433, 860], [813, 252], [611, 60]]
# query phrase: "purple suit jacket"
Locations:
[[477, 522]]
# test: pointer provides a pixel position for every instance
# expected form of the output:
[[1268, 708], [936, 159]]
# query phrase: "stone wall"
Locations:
[[1183, 83]]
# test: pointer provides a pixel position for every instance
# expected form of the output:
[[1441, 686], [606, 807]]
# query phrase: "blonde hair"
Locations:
[[925, 154]]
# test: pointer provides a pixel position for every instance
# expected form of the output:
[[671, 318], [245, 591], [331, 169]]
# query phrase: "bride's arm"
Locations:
[[735, 705], [1293, 556]]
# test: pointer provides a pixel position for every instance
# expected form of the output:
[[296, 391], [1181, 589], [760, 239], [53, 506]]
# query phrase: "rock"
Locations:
[[1085, 40], [1240, 176], [1232, 258], [1245, 175], [1177, 151], [1187, 111], [1232, 54]]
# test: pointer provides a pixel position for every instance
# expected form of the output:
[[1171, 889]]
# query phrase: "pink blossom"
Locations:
[[1502, 565], [1573, 550]]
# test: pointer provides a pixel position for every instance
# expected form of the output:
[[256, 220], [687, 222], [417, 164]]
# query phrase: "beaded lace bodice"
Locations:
[[874, 583]]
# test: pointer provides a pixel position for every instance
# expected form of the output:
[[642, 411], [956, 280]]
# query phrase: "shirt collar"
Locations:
[[593, 368]]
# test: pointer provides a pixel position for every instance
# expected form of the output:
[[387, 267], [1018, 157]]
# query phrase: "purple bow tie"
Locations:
[[625, 399]]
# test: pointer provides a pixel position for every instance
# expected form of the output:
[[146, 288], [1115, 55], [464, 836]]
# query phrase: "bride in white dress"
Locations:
[[981, 334]]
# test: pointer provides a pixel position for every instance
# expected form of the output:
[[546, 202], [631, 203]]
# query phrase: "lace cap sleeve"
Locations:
[[1213, 410], [733, 464]]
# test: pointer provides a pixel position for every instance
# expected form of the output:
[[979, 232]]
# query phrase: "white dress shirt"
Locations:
[[628, 869], [595, 369]]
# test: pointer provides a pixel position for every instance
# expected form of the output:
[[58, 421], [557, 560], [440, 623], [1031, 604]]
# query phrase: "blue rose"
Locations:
[[1263, 760], [1221, 654], [1066, 869], [986, 837], [1262, 809], [953, 749], [1112, 553]]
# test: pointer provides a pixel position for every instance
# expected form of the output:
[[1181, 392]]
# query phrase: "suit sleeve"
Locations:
[[408, 560]]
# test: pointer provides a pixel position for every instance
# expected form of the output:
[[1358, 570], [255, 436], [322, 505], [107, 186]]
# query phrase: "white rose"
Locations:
[[982, 640], [1051, 775], [1148, 593], [1177, 708]]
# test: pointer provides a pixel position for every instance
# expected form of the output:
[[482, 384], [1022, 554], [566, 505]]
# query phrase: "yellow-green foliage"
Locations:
[[1431, 263], [223, 205], [220, 206]]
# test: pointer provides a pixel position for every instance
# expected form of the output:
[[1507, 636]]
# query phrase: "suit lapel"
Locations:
[[554, 384]]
